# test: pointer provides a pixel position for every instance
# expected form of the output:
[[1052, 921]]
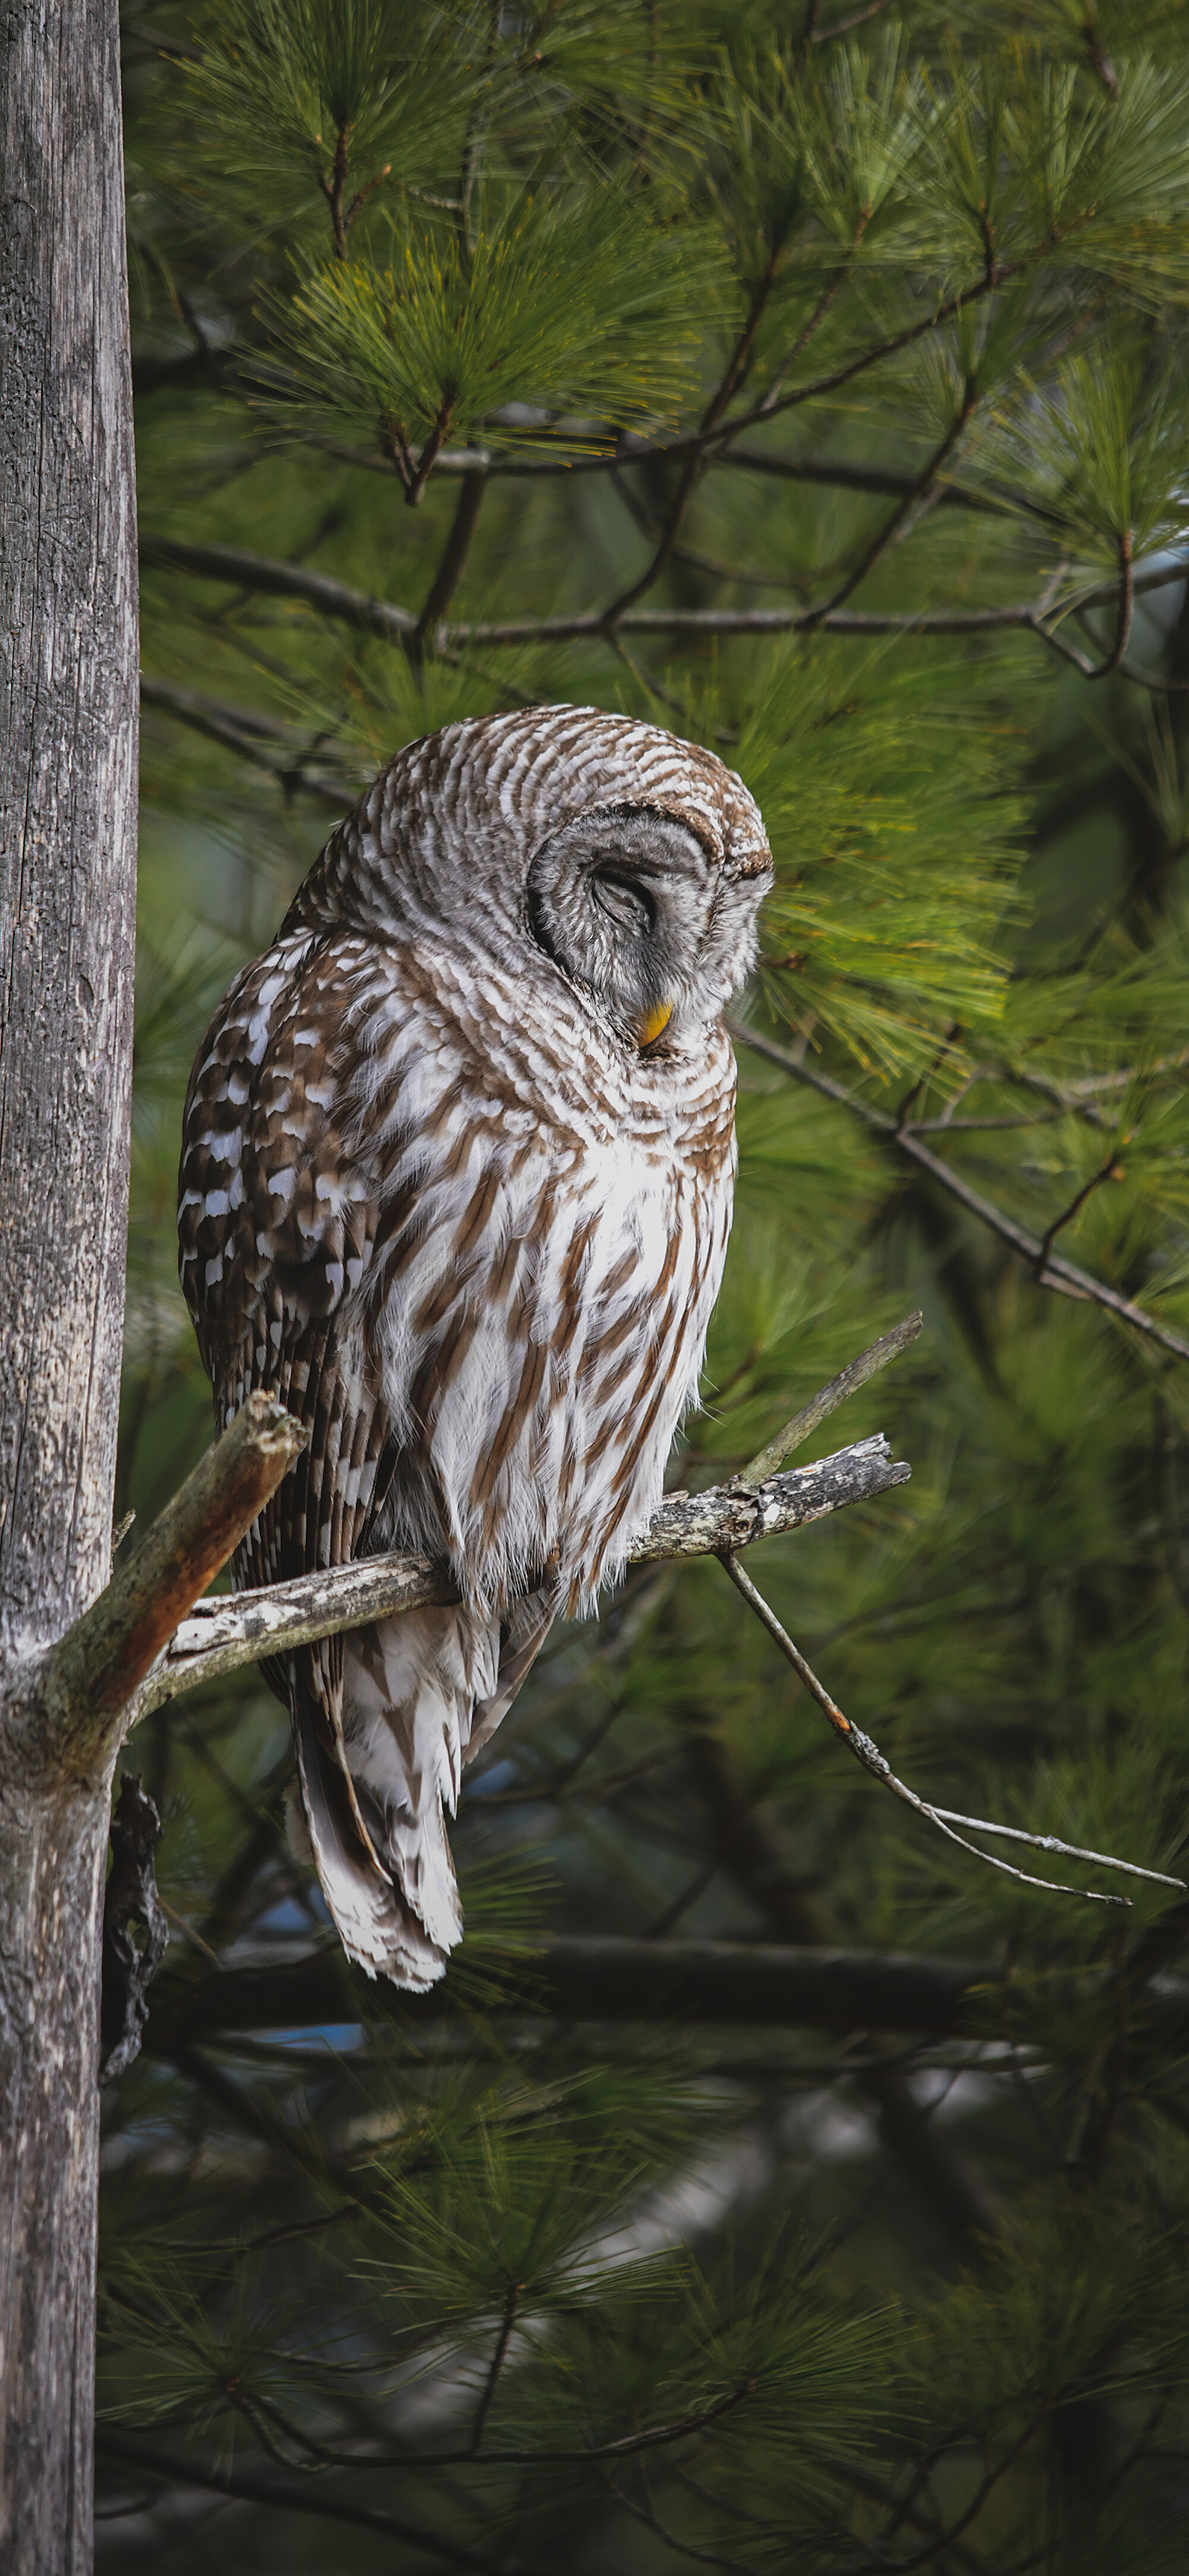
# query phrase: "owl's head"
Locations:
[[639, 913], [620, 858]]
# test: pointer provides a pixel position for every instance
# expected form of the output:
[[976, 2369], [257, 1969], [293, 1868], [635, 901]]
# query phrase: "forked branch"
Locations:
[[1049, 1269]]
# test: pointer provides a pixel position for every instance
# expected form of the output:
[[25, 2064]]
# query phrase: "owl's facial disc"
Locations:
[[623, 899]]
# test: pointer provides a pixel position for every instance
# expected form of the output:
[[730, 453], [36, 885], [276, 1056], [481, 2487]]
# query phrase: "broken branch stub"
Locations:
[[105, 1656]]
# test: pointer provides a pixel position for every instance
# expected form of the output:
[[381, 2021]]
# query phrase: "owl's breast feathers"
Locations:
[[467, 1240]]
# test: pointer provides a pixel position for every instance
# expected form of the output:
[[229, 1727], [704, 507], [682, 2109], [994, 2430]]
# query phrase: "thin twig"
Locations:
[[1064, 1851], [1111, 1171], [907, 511], [819, 1408], [694, 467], [872, 1760], [416, 470], [332, 189], [1114, 658], [453, 563]]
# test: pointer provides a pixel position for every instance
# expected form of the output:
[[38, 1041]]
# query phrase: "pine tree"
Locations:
[[810, 380]]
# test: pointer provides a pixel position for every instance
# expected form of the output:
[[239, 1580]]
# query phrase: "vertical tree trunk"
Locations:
[[67, 887]]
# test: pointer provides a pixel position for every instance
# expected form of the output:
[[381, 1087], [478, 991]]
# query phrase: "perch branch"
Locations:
[[1064, 1277], [222, 1634], [100, 1662]]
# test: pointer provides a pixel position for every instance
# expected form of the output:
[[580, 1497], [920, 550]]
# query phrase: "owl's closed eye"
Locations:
[[630, 906]]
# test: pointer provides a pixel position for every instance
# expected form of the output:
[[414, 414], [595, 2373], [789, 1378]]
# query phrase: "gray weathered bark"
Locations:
[[67, 882]]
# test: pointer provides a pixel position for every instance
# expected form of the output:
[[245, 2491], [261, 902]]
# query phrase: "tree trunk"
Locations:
[[67, 896]]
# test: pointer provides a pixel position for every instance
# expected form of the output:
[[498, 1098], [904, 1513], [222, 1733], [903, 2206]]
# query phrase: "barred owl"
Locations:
[[455, 1188]]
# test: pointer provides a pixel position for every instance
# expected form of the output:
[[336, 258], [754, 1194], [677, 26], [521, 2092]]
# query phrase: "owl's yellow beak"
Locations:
[[657, 1020]]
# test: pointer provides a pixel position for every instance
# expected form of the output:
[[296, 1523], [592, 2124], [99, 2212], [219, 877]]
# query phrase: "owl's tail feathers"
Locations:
[[379, 1929], [384, 1725]]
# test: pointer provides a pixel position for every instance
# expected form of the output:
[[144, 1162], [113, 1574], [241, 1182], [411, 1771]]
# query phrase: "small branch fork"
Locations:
[[945, 1818], [864, 1749], [1048, 1268], [848, 1381]]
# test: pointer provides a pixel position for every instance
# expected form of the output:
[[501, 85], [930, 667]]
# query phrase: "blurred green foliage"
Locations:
[[483, 2286]]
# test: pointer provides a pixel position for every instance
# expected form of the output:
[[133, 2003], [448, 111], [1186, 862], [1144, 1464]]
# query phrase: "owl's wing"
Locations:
[[303, 1173], [276, 1222]]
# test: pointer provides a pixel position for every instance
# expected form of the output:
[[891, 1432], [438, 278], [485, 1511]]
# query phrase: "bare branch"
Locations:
[[1064, 1277], [995, 500], [281, 580], [774, 1985], [821, 1406], [690, 625], [99, 1663], [1052, 1843], [221, 2479], [398, 625]]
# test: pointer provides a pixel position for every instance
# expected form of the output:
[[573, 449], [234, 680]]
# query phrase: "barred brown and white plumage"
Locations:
[[456, 1188]]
